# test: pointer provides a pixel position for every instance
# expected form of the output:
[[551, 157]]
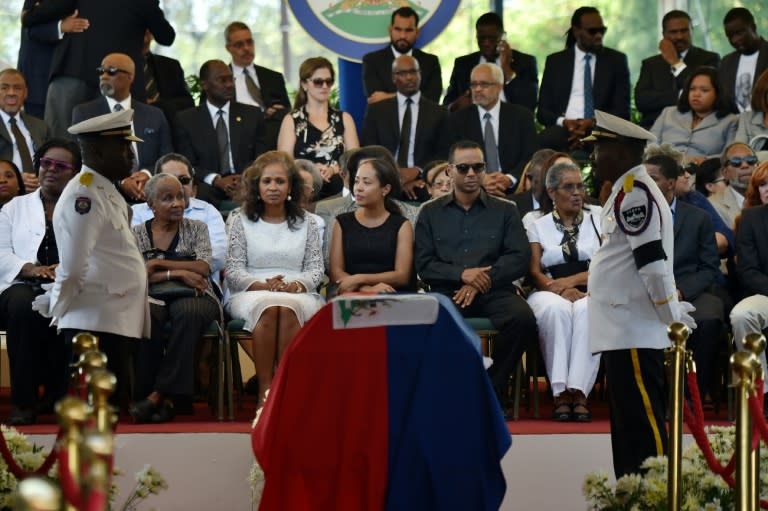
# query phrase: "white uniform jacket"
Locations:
[[22, 229], [632, 296], [101, 280]]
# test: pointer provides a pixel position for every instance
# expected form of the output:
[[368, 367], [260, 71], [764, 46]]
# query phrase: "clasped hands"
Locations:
[[577, 129], [32, 271], [277, 283], [475, 280], [352, 283], [564, 288]]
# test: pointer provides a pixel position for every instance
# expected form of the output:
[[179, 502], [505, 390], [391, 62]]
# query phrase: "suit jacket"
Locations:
[[171, 85], [78, 55], [610, 86], [658, 88], [381, 127], [377, 73], [520, 91], [523, 201], [752, 251], [149, 124], [38, 130], [517, 134], [709, 138], [273, 91], [726, 205], [195, 137], [696, 263], [39, 37], [730, 65]]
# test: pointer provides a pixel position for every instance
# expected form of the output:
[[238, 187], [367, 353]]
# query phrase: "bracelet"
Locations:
[[167, 274]]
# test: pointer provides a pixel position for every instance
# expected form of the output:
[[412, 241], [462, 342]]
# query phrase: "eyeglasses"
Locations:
[[736, 161], [572, 187], [718, 180], [185, 180], [57, 165], [597, 30], [111, 70], [463, 168], [481, 85], [319, 82], [242, 44], [406, 72]]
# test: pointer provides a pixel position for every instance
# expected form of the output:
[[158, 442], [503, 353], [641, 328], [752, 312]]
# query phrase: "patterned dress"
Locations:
[[318, 146]]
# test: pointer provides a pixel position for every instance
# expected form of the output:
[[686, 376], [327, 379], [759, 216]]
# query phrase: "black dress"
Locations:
[[370, 249], [317, 146]]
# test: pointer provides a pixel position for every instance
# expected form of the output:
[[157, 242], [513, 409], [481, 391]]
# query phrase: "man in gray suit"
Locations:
[[738, 162], [20, 133]]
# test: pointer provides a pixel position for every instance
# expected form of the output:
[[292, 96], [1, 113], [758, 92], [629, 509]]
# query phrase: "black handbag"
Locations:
[[171, 289]]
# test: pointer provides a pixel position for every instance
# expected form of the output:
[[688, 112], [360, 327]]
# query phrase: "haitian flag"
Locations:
[[382, 403]]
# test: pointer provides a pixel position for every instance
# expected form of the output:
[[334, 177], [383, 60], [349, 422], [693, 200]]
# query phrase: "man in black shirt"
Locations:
[[472, 247]]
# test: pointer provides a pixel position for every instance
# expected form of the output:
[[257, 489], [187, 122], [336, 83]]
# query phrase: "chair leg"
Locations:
[[535, 373], [518, 385], [220, 377], [227, 348]]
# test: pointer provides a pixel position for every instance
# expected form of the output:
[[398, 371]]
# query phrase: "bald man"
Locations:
[[116, 75]]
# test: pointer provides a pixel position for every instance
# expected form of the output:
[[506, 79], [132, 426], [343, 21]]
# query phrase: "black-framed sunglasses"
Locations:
[[319, 82], [185, 180], [736, 161], [111, 70], [463, 168], [597, 30], [57, 165]]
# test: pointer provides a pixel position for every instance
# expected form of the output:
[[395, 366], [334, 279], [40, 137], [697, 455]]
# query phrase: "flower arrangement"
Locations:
[[702, 489], [148, 482]]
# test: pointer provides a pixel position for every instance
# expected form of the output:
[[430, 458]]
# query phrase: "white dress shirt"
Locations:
[[214, 111], [24, 131], [241, 89], [575, 108]]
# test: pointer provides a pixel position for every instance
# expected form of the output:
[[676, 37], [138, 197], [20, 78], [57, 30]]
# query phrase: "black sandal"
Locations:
[[562, 412], [581, 416]]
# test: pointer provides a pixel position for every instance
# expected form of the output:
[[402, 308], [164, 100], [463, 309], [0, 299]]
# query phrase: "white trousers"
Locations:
[[750, 316], [563, 337]]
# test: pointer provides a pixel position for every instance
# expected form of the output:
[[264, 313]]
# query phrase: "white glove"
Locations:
[[685, 309], [42, 304]]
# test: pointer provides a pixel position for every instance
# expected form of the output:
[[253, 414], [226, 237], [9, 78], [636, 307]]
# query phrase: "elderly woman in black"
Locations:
[[28, 258], [178, 255]]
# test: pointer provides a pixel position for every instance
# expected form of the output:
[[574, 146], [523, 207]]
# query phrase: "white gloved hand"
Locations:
[[685, 309], [42, 304]]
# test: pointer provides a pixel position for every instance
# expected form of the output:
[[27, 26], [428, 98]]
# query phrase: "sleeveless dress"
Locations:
[[370, 249], [260, 250], [324, 147]]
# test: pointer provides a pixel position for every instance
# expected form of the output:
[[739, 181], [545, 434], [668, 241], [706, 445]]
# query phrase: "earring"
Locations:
[[289, 197]]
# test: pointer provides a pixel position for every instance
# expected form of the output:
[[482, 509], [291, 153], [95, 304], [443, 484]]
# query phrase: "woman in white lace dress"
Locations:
[[274, 262]]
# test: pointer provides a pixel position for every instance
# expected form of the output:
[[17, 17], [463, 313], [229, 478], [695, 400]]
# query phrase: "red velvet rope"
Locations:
[[69, 488], [97, 501], [18, 472]]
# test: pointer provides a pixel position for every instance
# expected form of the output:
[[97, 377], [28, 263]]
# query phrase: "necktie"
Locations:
[[589, 100], [405, 136], [150, 85], [117, 108], [491, 151], [253, 89], [21, 145], [222, 137]]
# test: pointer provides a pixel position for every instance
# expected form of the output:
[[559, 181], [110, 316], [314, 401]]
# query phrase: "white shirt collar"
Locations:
[[126, 103], [414, 98], [398, 54], [214, 110], [494, 111]]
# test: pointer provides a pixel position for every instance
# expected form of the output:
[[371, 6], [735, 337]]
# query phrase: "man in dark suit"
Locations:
[[403, 32], [740, 69], [506, 132], [220, 137], [416, 144], [164, 82], [663, 76], [149, 123], [521, 79], [256, 85], [39, 37], [696, 267], [569, 96], [115, 26], [20, 134], [528, 200]]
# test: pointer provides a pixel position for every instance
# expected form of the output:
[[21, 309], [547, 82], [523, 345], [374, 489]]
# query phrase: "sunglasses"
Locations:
[[463, 168], [737, 160], [111, 70], [319, 82], [185, 180], [597, 30], [57, 165]]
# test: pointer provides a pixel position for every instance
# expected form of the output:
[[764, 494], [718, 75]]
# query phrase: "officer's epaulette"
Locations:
[[86, 178], [629, 183]]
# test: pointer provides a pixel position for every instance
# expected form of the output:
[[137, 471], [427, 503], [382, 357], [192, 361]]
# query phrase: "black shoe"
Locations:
[[252, 386], [765, 405], [142, 411], [581, 413], [21, 417], [165, 413]]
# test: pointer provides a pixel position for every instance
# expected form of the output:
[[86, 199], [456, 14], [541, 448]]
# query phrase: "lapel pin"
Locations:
[[238, 118]]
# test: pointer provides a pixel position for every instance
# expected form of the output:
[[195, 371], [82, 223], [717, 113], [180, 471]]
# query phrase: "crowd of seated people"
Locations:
[[464, 197]]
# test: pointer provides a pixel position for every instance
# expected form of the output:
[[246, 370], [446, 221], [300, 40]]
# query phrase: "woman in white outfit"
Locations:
[[274, 262], [562, 244]]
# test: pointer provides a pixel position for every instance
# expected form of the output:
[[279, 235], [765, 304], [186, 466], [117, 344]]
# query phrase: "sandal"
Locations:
[[581, 412], [563, 409]]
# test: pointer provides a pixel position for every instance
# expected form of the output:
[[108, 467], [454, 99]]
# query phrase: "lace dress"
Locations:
[[260, 250], [324, 147]]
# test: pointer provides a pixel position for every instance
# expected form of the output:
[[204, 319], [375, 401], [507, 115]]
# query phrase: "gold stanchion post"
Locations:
[[676, 360], [37, 494], [101, 385], [755, 343], [73, 414], [743, 367]]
